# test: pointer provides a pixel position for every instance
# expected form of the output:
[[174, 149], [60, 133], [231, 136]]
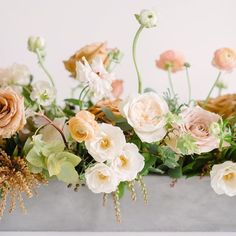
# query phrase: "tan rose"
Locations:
[[195, 122], [83, 126], [90, 52], [12, 112]]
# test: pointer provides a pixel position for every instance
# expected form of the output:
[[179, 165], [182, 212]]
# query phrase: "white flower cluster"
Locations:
[[116, 160], [16, 76], [96, 77]]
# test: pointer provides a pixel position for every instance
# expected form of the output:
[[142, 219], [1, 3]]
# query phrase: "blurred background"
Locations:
[[194, 27]]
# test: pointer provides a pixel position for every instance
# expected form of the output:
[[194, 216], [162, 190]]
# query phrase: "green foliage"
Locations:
[[121, 189], [187, 144], [52, 158]]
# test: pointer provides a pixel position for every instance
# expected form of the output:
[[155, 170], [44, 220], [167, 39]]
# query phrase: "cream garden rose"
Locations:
[[195, 122], [101, 179], [83, 126], [223, 178], [12, 112], [146, 114], [107, 143], [129, 163]]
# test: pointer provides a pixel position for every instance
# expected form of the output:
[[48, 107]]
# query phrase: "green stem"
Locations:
[[170, 81], [189, 85], [80, 96], [134, 58], [212, 88], [40, 61]]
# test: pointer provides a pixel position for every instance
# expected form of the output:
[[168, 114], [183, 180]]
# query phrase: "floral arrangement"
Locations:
[[107, 143]]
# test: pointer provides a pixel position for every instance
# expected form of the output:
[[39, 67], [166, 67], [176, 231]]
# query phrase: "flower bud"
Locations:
[[147, 18], [36, 43]]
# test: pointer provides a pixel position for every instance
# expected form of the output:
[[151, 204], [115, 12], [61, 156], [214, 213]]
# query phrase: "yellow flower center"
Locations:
[[102, 177], [124, 161], [229, 177], [105, 143]]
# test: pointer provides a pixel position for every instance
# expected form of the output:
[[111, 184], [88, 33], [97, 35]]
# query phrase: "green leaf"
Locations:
[[149, 161], [109, 114], [52, 147], [74, 101], [121, 189], [68, 174], [169, 157], [35, 159], [124, 126], [175, 173]]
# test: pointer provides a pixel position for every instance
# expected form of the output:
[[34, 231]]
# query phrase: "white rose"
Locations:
[[101, 179], [223, 178], [107, 143], [43, 93], [129, 163], [196, 122], [146, 113]]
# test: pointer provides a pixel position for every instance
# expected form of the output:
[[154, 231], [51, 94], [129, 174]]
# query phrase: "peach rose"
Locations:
[[172, 59], [196, 122], [90, 52], [224, 59], [83, 126], [12, 112], [117, 88]]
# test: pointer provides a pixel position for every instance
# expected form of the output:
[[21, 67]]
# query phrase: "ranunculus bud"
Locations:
[[36, 43], [147, 18]]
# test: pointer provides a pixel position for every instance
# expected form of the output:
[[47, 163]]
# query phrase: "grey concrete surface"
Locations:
[[190, 206]]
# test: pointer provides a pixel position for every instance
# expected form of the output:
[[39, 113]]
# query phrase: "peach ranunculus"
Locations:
[[90, 52], [224, 59], [173, 59], [83, 126], [12, 112], [196, 123], [117, 88]]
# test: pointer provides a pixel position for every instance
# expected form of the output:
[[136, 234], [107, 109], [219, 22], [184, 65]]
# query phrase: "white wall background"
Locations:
[[195, 27]]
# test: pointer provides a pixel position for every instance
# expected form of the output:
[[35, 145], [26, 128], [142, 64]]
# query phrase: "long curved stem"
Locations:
[[170, 81], [40, 61], [80, 96], [189, 85], [212, 88], [134, 57]]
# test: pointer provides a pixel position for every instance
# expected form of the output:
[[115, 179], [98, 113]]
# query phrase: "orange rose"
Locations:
[[89, 52], [12, 112], [83, 126]]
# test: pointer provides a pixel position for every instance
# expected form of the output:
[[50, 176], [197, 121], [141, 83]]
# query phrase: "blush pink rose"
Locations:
[[12, 112], [196, 122], [117, 88], [224, 59], [172, 59]]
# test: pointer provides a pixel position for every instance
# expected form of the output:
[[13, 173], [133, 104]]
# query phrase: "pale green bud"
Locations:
[[36, 43], [147, 18]]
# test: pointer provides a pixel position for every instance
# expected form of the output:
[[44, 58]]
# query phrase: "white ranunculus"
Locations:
[[15, 76], [101, 179], [223, 178], [107, 143], [43, 93], [95, 77], [146, 113], [129, 163]]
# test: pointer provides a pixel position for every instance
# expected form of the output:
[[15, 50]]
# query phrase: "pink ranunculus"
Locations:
[[117, 88], [196, 122], [224, 59], [12, 112], [172, 59]]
